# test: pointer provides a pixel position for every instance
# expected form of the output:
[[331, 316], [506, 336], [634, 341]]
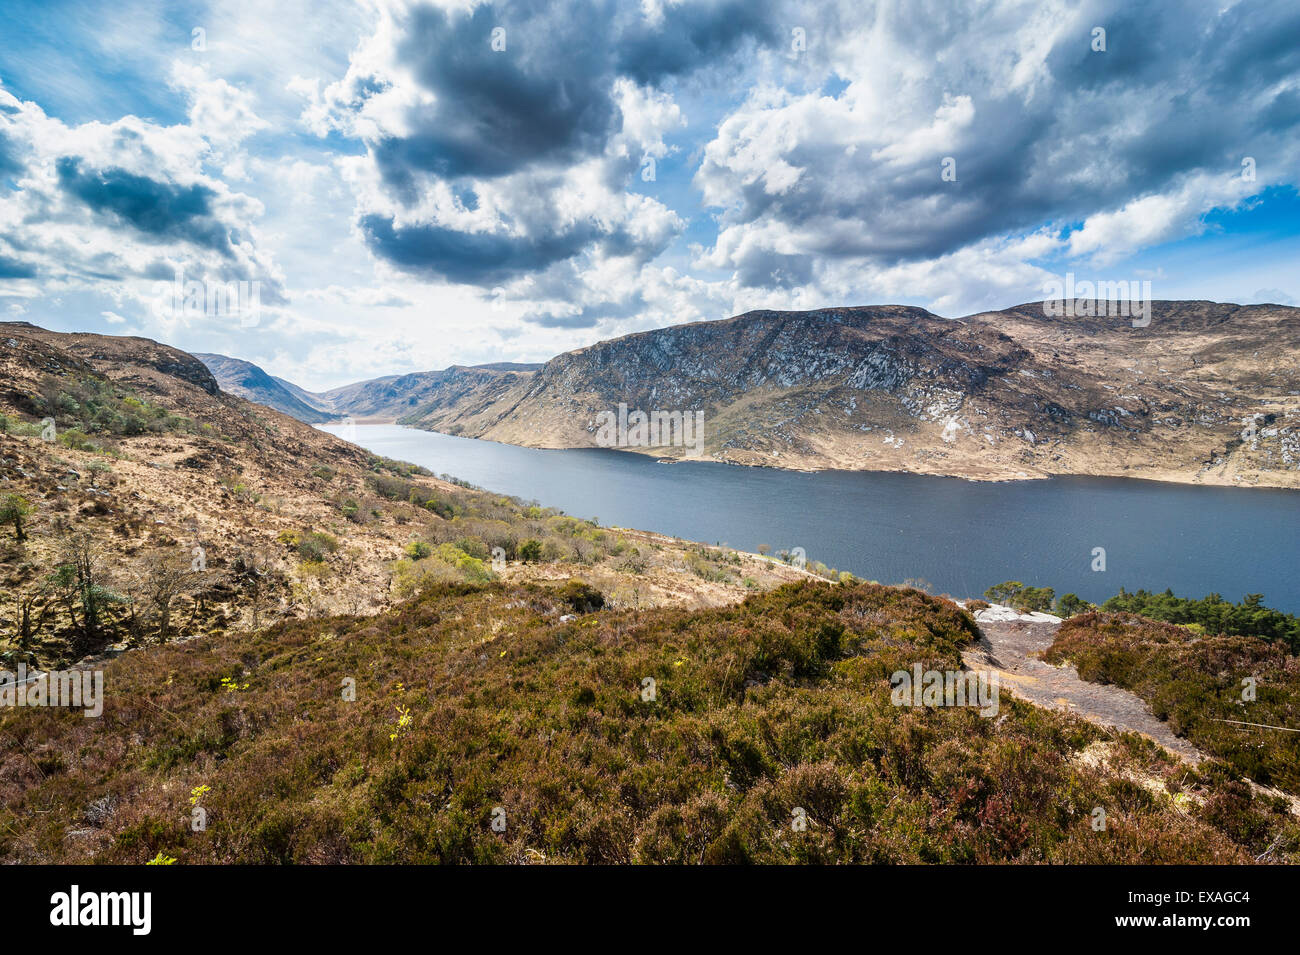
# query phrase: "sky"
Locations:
[[404, 186]]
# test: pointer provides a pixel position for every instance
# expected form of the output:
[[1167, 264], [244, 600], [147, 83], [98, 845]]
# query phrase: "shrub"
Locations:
[[1196, 683], [780, 703], [581, 597], [1249, 618], [315, 546], [14, 510]]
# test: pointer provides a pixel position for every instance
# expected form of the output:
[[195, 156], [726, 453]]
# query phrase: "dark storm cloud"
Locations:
[[161, 211], [692, 36], [547, 96], [846, 206], [14, 269], [541, 99], [469, 257], [544, 103]]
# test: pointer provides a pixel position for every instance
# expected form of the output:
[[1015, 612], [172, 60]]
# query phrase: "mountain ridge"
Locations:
[[384, 398], [1206, 393]]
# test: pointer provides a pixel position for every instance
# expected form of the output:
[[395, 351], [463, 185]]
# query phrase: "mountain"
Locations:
[[1205, 393], [378, 399], [247, 380], [273, 610], [460, 388]]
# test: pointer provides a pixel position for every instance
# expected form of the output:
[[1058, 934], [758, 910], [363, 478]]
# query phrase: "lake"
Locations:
[[959, 536]]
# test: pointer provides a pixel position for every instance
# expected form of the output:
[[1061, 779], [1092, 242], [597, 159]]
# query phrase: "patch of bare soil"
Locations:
[[1014, 648]]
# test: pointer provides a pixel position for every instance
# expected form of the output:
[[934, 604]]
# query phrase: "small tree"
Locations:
[[79, 583], [1035, 600], [1004, 592], [97, 470], [1067, 605], [162, 577], [14, 509], [27, 621], [254, 572]]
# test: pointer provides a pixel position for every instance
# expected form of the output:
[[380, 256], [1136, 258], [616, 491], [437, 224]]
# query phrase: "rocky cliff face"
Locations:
[[1206, 392], [136, 360]]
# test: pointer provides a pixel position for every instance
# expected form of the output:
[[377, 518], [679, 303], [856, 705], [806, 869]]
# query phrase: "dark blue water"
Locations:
[[960, 536]]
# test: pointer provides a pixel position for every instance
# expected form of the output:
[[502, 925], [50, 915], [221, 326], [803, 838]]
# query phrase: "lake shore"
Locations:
[[959, 535], [1220, 476]]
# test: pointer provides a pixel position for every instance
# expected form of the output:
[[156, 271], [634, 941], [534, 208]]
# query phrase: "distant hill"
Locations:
[[308, 398], [387, 398], [248, 381], [131, 447], [243, 566], [460, 390]]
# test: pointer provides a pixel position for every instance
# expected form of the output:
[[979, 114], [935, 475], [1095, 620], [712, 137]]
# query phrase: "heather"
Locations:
[[526, 723], [1206, 687]]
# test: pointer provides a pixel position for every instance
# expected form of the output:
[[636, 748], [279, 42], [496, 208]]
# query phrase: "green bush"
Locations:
[[316, 546], [1197, 684], [418, 550], [770, 710], [1213, 614], [581, 597]]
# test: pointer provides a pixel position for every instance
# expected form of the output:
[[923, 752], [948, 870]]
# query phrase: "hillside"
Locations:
[[1206, 393], [158, 507], [459, 389], [248, 381], [1234, 696], [498, 723]]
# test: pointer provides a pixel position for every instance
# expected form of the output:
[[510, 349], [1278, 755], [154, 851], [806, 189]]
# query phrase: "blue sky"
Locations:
[[413, 185]]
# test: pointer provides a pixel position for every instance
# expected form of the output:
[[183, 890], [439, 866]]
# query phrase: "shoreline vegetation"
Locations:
[[665, 455]]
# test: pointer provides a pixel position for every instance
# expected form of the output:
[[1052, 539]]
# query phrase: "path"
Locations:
[[1013, 648]]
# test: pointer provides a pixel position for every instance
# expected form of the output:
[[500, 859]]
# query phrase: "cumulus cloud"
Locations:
[[1121, 149], [525, 176], [501, 138], [130, 200]]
